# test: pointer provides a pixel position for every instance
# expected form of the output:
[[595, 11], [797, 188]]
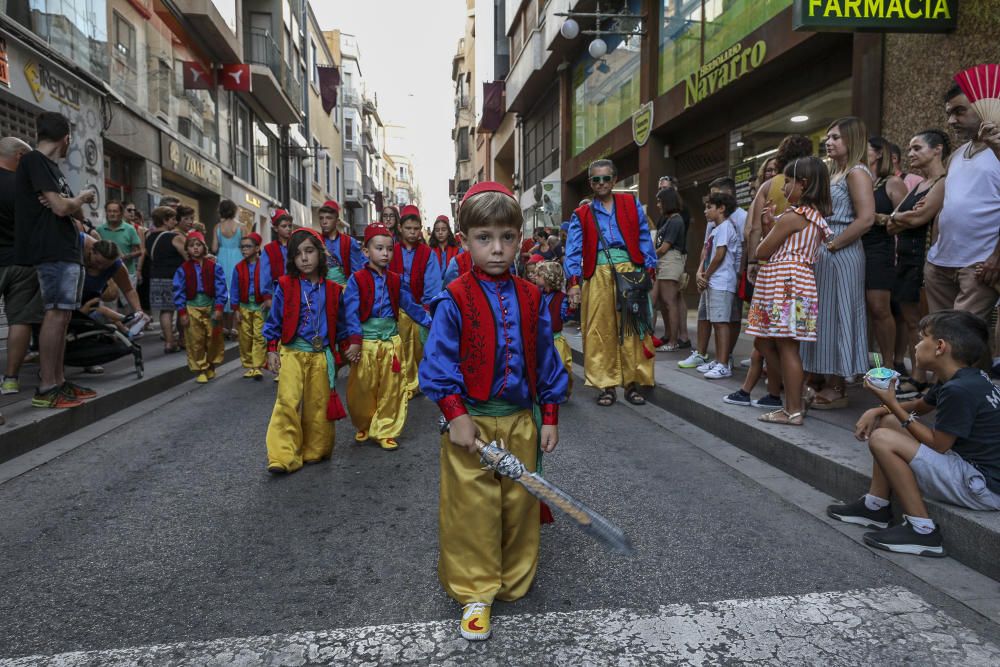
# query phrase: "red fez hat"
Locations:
[[255, 237], [535, 259], [280, 215], [487, 186], [442, 218], [195, 236], [409, 211], [331, 205], [310, 230], [376, 229]]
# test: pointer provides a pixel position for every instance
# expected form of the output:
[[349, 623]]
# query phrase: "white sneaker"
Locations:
[[695, 359], [745, 363], [718, 372], [705, 367]]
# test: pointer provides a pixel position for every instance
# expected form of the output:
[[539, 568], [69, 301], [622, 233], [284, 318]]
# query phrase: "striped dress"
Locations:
[[841, 346], [784, 302]]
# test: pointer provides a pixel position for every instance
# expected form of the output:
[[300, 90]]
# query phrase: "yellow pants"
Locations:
[[204, 346], [566, 354], [376, 399], [253, 349], [413, 352], [299, 430], [606, 363], [489, 526]]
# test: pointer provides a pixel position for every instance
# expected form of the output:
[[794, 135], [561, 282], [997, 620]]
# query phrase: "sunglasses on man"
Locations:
[[130, 210], [601, 179]]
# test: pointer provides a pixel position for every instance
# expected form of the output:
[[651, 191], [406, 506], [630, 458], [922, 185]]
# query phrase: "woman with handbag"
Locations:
[[165, 249]]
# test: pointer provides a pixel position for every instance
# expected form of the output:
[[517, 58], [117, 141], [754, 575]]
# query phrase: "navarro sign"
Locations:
[[876, 15], [719, 72]]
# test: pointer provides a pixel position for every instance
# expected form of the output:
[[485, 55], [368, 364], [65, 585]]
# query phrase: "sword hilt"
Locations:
[[493, 455]]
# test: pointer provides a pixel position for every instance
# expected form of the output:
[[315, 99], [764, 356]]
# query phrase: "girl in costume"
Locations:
[[550, 279], [305, 322], [376, 393], [245, 297], [443, 242], [200, 295]]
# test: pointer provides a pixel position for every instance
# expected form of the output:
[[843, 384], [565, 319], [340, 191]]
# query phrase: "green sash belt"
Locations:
[[300, 344], [618, 256], [379, 328], [252, 304], [497, 407], [557, 335], [200, 300], [336, 274]]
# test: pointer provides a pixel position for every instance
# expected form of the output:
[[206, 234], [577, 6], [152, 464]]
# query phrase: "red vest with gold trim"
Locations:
[[627, 217], [292, 292], [417, 269]]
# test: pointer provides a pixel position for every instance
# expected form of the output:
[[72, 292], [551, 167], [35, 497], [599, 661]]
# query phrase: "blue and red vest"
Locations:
[[292, 292], [445, 255], [191, 278], [345, 252], [464, 262], [627, 217], [417, 269], [276, 259], [243, 277], [366, 292]]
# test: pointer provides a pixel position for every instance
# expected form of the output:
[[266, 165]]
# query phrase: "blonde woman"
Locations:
[[841, 347]]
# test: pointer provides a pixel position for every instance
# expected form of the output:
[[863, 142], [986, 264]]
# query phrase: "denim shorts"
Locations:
[[61, 284], [951, 478]]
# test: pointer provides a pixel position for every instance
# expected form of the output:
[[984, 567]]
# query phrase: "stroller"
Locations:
[[90, 343]]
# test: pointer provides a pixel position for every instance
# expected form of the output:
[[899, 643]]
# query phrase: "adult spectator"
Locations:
[[226, 238], [671, 183], [841, 347], [185, 220], [165, 248], [123, 235], [556, 250], [46, 236], [911, 180], [611, 232], [879, 247], [18, 284], [134, 216], [671, 249], [909, 224], [103, 263], [963, 265], [171, 201], [390, 218]]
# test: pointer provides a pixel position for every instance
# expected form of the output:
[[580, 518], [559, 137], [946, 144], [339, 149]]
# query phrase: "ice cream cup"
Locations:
[[881, 377]]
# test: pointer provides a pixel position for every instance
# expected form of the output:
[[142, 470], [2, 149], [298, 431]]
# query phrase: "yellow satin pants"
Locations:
[[204, 346], [489, 525], [606, 363], [376, 399], [299, 430], [253, 349], [413, 352], [566, 354]]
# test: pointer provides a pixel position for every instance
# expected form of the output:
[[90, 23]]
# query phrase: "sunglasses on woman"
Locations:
[[601, 179]]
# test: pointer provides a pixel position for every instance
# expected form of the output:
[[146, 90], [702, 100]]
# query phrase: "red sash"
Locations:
[[243, 276], [207, 278], [345, 252], [276, 259], [478, 338], [292, 292], [555, 311], [417, 269], [366, 292], [626, 216]]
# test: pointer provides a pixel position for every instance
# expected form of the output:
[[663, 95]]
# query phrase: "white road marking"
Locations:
[[881, 626]]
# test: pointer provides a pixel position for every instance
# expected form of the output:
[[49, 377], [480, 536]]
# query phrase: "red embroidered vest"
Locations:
[[417, 269], [243, 277], [276, 260], [366, 292], [464, 262], [292, 292], [627, 216], [478, 338], [207, 278], [345, 252], [555, 311]]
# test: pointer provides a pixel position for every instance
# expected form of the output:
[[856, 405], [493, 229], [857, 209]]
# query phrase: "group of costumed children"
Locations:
[[485, 345]]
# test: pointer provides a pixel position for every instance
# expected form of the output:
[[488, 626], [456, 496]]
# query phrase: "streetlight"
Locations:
[[598, 48]]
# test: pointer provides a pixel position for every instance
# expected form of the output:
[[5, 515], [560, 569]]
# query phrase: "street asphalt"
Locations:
[[168, 529]]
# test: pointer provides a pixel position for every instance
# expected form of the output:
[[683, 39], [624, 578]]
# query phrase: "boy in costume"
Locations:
[[459, 265], [413, 260], [200, 296], [275, 255], [496, 377], [344, 251], [374, 303], [245, 296]]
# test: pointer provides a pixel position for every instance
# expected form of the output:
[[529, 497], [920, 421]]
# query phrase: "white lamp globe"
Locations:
[[569, 29], [598, 48]]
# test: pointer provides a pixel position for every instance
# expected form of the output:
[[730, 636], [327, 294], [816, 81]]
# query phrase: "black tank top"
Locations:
[[878, 234], [911, 244], [166, 260]]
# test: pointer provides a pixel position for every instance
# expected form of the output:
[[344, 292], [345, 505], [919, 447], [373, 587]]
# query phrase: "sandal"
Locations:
[[824, 402], [607, 398], [633, 396], [782, 417], [808, 398]]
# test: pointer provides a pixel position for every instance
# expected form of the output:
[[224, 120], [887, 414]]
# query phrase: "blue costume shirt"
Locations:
[[381, 305], [573, 262], [312, 314], [357, 257], [432, 274], [180, 286]]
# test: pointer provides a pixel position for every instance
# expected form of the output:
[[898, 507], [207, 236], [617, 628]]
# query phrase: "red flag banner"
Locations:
[[329, 81], [196, 77], [235, 76], [493, 106]]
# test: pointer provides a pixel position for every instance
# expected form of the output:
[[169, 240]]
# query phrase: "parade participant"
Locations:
[[413, 260], [305, 322], [245, 297], [550, 278], [343, 252], [373, 302], [498, 378], [200, 295], [275, 256], [390, 218], [443, 242], [459, 265], [612, 228]]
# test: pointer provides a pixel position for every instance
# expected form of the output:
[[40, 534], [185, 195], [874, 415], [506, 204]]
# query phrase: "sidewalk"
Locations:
[[823, 452], [117, 388]]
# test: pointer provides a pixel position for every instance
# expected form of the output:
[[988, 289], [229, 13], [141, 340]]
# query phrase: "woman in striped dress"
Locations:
[[784, 307], [841, 347]]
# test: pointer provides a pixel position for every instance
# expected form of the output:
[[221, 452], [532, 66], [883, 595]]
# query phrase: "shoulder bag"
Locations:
[[631, 294]]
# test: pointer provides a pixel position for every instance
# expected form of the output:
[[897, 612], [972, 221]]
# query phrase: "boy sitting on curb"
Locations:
[[956, 461]]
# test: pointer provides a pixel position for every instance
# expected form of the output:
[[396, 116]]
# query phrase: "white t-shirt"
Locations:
[[725, 235], [739, 218], [969, 222]]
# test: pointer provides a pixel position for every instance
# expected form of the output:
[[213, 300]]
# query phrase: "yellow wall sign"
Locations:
[[876, 15], [719, 72], [642, 123], [253, 201], [43, 81]]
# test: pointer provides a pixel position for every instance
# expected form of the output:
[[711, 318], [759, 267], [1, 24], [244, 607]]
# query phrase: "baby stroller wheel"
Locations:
[[139, 370]]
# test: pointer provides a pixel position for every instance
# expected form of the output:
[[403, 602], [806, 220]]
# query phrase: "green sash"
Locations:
[[618, 256], [300, 344], [336, 274], [252, 304], [200, 300], [379, 328], [497, 407]]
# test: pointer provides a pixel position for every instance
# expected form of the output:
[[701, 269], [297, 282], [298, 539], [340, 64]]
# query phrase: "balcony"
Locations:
[[367, 139], [274, 87], [528, 62], [352, 192], [351, 97], [216, 33]]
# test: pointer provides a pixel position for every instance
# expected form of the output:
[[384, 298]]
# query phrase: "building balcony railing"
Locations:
[[125, 78], [351, 97], [352, 190], [262, 50]]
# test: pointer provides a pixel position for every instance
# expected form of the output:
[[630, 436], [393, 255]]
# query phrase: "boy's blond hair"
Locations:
[[552, 274], [490, 208]]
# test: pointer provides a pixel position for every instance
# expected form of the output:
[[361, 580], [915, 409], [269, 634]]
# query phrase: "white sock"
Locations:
[[922, 526], [874, 502]]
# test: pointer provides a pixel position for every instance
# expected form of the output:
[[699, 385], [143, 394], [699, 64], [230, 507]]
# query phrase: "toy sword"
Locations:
[[497, 458]]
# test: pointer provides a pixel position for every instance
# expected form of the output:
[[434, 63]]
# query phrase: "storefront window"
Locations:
[[605, 91], [695, 31], [75, 29]]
